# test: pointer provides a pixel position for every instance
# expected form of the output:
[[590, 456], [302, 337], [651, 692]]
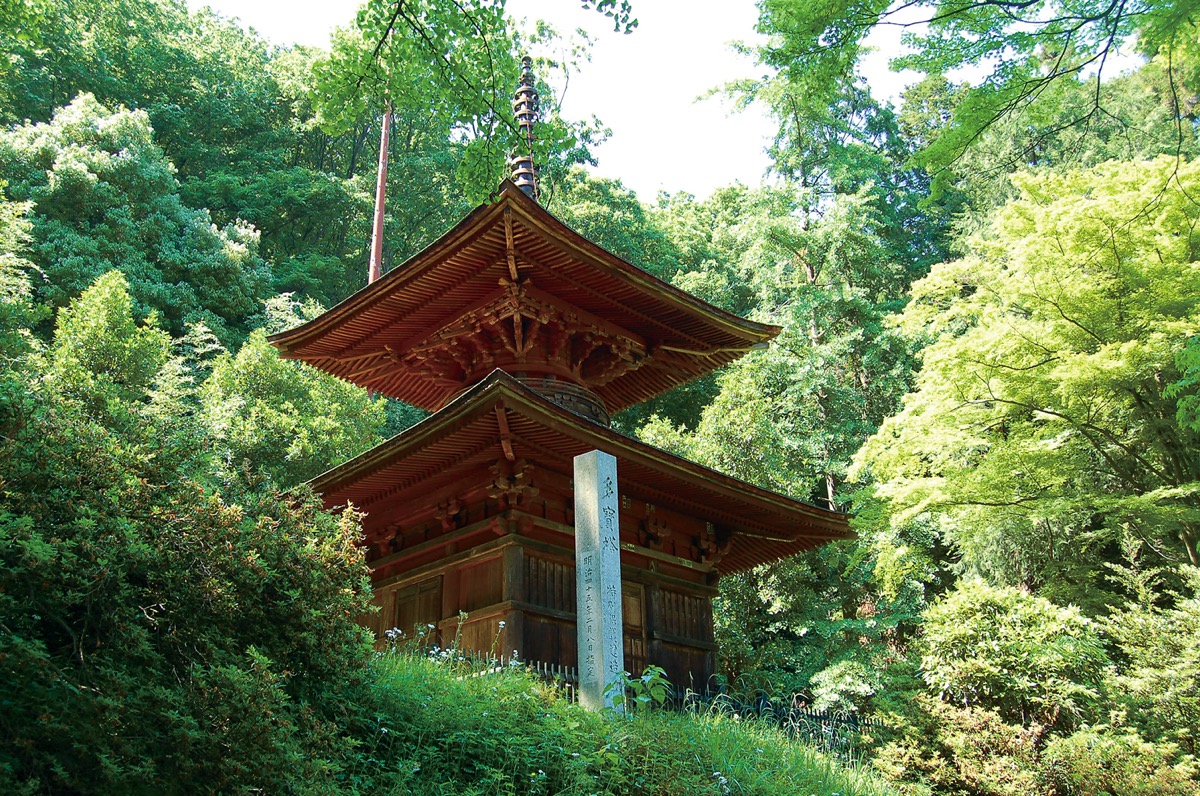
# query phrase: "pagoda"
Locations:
[[522, 338]]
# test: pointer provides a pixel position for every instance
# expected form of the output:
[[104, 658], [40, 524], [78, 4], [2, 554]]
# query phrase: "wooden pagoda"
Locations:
[[521, 337]]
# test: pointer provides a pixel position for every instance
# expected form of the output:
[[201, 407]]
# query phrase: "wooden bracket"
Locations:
[[509, 245], [505, 433]]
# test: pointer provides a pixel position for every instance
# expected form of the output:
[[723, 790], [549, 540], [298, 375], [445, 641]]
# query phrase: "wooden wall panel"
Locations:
[[550, 584], [481, 636], [480, 585], [417, 606], [686, 616], [686, 667], [550, 640]]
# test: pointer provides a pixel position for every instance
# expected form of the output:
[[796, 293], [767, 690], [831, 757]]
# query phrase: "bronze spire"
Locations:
[[525, 109]]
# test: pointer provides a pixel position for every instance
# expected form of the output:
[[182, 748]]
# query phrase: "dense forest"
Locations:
[[990, 296]]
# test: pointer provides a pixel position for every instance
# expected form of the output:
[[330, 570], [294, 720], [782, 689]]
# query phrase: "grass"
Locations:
[[439, 728]]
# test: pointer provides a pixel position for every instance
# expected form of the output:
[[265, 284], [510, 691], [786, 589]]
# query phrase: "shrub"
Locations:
[[1103, 762], [1157, 634], [162, 631], [951, 749], [1004, 649]]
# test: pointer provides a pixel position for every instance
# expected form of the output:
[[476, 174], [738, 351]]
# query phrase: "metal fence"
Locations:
[[835, 732]]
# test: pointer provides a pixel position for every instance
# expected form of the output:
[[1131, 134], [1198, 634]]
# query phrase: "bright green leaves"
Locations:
[[1187, 389], [100, 353], [1004, 649], [1041, 429], [286, 417]]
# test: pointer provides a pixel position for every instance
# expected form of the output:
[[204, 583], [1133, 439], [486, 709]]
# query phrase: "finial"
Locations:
[[525, 110]]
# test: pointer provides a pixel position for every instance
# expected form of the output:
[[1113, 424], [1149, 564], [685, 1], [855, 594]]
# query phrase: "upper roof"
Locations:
[[500, 416], [415, 334]]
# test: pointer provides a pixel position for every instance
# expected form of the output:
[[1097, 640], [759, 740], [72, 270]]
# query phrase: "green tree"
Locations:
[[17, 311], [610, 215], [1023, 51], [789, 419], [286, 417], [1041, 429], [1157, 634], [102, 358], [158, 632], [416, 57], [1001, 648], [104, 196]]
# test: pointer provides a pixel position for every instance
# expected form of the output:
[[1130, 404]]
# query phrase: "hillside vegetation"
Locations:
[[990, 302]]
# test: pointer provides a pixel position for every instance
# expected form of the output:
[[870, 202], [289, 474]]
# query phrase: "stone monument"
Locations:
[[598, 580]]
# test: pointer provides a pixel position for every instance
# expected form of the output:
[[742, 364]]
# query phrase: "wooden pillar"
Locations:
[[450, 604], [710, 656], [654, 625], [512, 638]]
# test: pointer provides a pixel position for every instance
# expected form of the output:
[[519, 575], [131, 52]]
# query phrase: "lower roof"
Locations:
[[501, 417]]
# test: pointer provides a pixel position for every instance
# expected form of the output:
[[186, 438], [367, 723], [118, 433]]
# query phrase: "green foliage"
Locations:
[[791, 417], [416, 57], [1157, 634], [609, 215], [1023, 55], [1108, 762], [286, 417], [1006, 650], [647, 690], [1040, 431], [101, 358], [17, 310], [104, 197], [166, 628], [1186, 390], [933, 746], [1139, 121], [434, 731]]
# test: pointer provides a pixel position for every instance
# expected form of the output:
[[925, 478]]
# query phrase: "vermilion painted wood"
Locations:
[[442, 321], [523, 336]]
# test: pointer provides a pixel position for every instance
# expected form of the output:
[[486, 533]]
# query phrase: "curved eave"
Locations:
[[766, 526], [695, 337], [472, 226]]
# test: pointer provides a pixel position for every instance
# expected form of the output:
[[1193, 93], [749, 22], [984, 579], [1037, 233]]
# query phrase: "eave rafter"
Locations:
[[662, 497], [438, 323], [523, 325]]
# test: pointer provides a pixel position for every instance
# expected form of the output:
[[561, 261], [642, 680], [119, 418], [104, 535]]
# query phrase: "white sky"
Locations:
[[644, 86]]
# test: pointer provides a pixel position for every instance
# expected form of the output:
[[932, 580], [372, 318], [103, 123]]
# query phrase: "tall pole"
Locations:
[[376, 269]]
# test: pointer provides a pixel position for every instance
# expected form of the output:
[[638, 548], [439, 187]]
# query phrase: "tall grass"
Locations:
[[439, 727]]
